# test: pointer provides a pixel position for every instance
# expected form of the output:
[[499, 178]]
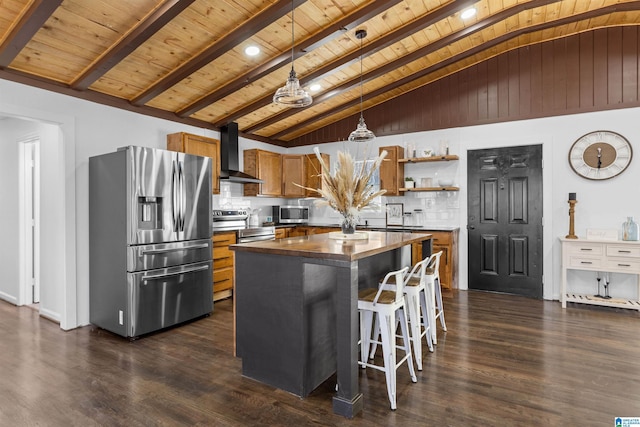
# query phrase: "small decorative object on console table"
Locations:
[[572, 204], [348, 190], [630, 229]]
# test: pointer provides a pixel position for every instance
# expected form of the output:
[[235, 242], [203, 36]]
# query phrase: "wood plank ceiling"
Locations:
[[184, 60]]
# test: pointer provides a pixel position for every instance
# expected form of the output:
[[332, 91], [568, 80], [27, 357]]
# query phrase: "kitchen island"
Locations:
[[297, 307]]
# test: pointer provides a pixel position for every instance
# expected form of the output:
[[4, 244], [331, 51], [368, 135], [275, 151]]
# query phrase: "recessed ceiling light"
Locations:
[[252, 50], [315, 87], [468, 13]]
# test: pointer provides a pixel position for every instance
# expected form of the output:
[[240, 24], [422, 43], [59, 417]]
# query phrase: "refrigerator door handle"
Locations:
[[176, 273], [183, 196], [174, 197], [162, 251]]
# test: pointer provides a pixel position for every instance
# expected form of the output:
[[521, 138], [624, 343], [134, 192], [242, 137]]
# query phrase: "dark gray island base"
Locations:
[[297, 308]]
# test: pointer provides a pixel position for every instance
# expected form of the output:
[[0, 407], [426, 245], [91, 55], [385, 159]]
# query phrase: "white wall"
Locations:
[[51, 219], [98, 129], [11, 131]]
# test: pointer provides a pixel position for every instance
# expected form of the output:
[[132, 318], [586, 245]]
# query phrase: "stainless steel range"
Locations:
[[236, 220]]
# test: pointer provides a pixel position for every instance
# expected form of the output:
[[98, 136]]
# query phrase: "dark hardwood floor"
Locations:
[[505, 361]]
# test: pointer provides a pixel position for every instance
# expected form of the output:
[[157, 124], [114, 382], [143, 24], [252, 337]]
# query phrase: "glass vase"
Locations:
[[630, 229], [348, 226]]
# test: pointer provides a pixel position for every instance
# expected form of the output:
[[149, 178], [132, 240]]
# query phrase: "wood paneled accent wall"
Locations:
[[592, 71]]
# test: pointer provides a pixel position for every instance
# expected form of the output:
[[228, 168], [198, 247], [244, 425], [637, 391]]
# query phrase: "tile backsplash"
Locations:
[[439, 208]]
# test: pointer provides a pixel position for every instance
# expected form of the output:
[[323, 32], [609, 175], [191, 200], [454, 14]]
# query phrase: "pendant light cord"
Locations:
[[292, 36], [361, 116]]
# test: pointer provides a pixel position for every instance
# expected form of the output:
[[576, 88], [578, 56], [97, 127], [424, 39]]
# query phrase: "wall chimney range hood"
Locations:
[[229, 154]]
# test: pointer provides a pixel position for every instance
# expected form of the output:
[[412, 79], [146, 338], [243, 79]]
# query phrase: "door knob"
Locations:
[[472, 227]]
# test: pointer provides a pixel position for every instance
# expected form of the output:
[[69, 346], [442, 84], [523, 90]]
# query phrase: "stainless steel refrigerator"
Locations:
[[150, 239]]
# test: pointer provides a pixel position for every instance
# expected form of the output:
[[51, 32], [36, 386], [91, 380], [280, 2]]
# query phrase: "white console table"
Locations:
[[604, 256]]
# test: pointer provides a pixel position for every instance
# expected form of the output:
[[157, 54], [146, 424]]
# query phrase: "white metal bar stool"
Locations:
[[417, 294], [436, 311], [388, 304]]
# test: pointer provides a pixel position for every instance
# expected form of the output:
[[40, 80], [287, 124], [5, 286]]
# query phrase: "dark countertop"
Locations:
[[321, 246]]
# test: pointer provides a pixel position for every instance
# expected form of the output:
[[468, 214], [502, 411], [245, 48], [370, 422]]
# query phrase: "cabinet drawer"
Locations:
[[585, 262], [222, 279], [623, 251], [445, 259], [440, 237], [222, 258], [624, 265], [223, 239], [585, 248]]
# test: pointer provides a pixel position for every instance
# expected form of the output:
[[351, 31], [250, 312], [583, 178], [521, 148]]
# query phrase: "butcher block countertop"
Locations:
[[321, 246]]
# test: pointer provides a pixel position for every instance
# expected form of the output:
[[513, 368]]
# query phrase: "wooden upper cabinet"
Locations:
[[200, 146], [313, 172], [392, 172], [293, 172], [266, 166]]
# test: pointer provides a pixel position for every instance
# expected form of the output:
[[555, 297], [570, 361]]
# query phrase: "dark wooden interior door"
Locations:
[[505, 220]]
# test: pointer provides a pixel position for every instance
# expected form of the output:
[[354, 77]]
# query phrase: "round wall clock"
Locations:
[[600, 155]]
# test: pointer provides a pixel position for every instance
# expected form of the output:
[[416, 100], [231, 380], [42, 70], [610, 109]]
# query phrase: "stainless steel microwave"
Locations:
[[290, 214]]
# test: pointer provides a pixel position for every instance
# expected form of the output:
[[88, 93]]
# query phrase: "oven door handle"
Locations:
[[257, 238]]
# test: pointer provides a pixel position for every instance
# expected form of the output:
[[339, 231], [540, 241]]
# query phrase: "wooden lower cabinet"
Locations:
[[307, 230], [298, 231], [447, 242], [223, 265]]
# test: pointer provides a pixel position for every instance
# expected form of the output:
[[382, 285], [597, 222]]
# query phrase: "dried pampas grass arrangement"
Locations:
[[347, 191]]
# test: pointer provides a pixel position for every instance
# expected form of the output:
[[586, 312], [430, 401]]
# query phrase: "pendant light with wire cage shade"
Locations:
[[361, 134], [291, 94]]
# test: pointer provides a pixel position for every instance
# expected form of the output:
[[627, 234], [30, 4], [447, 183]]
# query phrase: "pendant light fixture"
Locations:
[[291, 94], [361, 134]]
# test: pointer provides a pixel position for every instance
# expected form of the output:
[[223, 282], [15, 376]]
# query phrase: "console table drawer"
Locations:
[[623, 251], [584, 262], [623, 265], [584, 248]]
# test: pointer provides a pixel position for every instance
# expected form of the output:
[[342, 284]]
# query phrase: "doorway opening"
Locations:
[[30, 221]]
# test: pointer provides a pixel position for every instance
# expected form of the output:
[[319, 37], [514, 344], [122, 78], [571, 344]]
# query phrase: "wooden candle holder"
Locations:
[[571, 235]]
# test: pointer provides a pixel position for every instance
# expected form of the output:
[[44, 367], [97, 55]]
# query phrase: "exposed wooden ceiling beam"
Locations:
[[30, 22], [635, 5], [332, 32], [347, 60], [240, 34], [147, 28], [98, 97]]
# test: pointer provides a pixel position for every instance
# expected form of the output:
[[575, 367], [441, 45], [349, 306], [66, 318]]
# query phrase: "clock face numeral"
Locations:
[[600, 155]]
